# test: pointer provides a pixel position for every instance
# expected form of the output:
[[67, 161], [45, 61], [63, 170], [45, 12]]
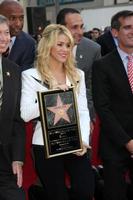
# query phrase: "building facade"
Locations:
[[95, 13]]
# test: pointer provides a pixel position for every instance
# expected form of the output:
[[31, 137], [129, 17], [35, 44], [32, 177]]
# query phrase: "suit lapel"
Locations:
[[123, 78], [8, 89], [13, 52], [17, 47], [79, 53], [81, 58]]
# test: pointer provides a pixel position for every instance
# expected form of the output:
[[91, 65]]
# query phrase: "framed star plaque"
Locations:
[[60, 122]]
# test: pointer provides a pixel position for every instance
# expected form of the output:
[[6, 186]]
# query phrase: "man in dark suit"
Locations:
[[12, 131], [22, 46], [107, 42], [86, 51], [113, 100], [22, 52]]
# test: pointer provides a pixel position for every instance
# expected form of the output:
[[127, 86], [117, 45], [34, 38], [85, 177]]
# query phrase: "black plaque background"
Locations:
[[64, 137]]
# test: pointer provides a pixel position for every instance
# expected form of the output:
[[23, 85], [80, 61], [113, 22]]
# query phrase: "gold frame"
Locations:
[[61, 132]]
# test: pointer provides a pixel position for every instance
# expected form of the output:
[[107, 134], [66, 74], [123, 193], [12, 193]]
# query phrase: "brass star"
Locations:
[[60, 110]]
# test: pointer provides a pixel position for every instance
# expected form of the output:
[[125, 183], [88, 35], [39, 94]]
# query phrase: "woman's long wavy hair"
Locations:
[[49, 37]]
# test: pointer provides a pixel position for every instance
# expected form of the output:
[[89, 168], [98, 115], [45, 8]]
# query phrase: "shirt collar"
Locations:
[[122, 54], [13, 40], [74, 51]]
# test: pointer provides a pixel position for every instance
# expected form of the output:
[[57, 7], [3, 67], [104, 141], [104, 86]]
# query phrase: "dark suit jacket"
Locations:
[[12, 129], [87, 52], [113, 101], [107, 43], [23, 51]]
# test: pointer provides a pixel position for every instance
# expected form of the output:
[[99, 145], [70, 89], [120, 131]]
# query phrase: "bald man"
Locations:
[[22, 45]]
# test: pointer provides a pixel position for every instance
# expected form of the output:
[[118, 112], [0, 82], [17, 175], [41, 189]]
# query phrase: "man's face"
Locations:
[[95, 34], [15, 15], [75, 24], [4, 37], [125, 34]]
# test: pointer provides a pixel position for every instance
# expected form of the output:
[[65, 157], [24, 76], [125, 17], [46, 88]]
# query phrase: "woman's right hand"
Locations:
[[63, 87]]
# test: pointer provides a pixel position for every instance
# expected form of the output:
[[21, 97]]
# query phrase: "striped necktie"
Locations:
[[130, 71]]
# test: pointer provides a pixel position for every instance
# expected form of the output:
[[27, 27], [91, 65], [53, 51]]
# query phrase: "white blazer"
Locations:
[[31, 83]]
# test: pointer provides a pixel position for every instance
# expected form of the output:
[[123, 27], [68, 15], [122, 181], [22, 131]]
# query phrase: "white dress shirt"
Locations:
[[124, 57]]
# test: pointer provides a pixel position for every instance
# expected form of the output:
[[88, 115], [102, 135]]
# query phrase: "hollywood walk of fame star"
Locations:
[[60, 110]]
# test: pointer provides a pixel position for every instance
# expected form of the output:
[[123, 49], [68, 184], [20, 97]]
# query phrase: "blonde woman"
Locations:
[[55, 68]]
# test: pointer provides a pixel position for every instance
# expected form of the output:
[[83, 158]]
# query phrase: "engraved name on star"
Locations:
[[60, 110]]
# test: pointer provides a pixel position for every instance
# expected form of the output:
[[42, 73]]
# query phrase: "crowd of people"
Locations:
[[100, 68]]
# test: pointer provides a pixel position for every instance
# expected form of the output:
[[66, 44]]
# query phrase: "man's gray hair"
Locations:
[[3, 19]]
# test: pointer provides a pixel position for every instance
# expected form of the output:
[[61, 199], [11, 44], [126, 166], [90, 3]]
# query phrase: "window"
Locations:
[[50, 2]]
